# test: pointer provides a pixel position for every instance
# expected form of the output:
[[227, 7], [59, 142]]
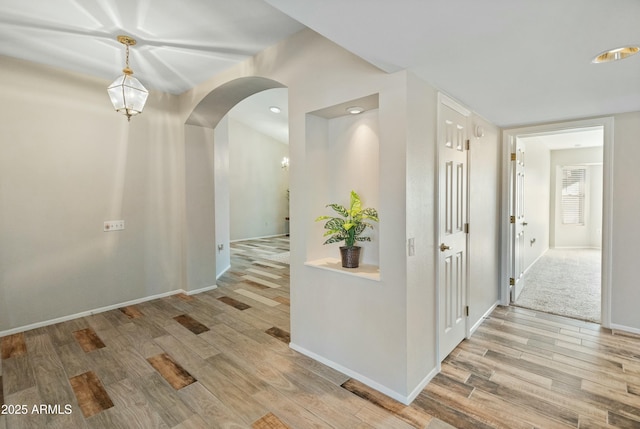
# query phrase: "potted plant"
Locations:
[[348, 227]]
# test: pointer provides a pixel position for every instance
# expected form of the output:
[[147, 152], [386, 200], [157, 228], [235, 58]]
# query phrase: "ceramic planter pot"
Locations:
[[350, 256]]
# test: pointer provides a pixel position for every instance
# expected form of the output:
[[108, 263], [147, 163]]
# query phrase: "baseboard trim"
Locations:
[[223, 272], [97, 311], [420, 387], [482, 319], [406, 400], [204, 289], [623, 328], [259, 238]]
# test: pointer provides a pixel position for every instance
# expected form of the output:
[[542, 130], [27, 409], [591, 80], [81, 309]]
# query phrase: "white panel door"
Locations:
[[452, 189], [518, 222]]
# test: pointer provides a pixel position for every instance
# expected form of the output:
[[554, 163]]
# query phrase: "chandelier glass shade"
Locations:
[[127, 94]]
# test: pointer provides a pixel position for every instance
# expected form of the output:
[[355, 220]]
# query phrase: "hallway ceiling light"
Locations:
[[354, 110], [275, 109], [127, 94], [616, 54]]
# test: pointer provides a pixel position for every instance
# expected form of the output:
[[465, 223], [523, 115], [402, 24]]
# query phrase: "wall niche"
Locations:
[[342, 151]]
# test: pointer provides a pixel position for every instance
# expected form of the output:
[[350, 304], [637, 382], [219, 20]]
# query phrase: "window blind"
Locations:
[[573, 195]]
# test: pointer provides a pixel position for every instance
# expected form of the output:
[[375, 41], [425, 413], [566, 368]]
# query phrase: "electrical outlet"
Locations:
[[113, 225]]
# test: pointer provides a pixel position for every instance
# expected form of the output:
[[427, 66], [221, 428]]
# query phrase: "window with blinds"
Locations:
[[573, 195]]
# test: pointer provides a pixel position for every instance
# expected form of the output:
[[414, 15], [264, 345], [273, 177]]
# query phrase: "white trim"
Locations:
[[482, 319], [284, 234], [406, 400], [576, 247], [537, 259], [420, 387], [203, 289], [607, 201], [223, 272], [450, 102], [625, 328], [90, 312]]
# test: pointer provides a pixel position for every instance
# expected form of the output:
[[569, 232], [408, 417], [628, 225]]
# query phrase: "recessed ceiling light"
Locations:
[[354, 110], [616, 54], [275, 109]]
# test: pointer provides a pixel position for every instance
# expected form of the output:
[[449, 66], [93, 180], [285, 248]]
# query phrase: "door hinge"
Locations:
[[512, 219], [466, 228], [513, 157], [466, 310], [468, 144], [512, 281]]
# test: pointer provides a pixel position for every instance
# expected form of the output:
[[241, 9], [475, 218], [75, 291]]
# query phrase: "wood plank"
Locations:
[[184, 297], [191, 324], [623, 422], [88, 340], [13, 346], [90, 394], [17, 375], [209, 407], [133, 406], [455, 417], [279, 334], [270, 421], [524, 399], [164, 399], [234, 303], [414, 416], [132, 312], [175, 375], [282, 300]]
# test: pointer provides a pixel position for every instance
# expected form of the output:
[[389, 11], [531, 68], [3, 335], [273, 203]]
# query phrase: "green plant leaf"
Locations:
[[334, 223], [370, 213], [340, 209], [348, 225], [334, 239]]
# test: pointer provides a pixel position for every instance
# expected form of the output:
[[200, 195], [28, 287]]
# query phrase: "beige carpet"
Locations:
[[565, 282]]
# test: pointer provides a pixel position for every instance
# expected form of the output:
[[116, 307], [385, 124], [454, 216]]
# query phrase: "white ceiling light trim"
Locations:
[[616, 54]]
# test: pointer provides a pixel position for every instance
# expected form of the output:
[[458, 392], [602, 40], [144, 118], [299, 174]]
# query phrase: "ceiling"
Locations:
[[570, 139], [255, 112], [514, 63]]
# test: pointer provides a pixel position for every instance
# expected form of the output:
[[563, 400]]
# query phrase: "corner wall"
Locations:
[[625, 293], [68, 163]]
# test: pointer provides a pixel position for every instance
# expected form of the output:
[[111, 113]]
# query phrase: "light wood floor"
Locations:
[[220, 359]]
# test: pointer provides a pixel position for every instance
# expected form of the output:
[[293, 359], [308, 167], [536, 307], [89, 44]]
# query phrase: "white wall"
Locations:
[[68, 163], [337, 317], [625, 293], [381, 332], [537, 199], [577, 235], [484, 225], [222, 196], [200, 249], [257, 183]]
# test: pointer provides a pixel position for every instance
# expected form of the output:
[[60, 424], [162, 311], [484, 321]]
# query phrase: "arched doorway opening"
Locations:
[[207, 250]]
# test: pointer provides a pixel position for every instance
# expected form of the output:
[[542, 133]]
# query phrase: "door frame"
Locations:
[[607, 202]]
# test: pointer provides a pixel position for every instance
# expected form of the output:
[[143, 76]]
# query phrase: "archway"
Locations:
[[205, 254]]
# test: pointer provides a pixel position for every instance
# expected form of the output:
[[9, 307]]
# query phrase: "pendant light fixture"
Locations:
[[127, 94]]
